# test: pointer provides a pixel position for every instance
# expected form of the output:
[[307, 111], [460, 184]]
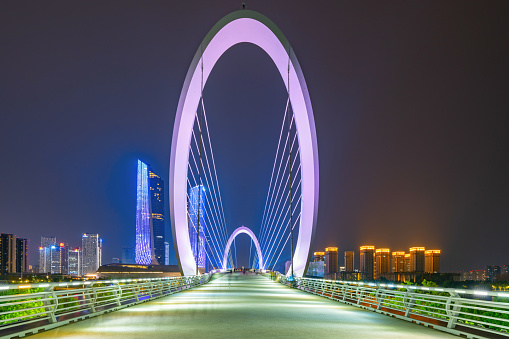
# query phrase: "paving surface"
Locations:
[[242, 306]]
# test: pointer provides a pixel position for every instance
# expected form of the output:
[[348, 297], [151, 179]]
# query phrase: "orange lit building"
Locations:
[[398, 262], [367, 258], [382, 262], [349, 261], [408, 267], [417, 259], [331, 260], [432, 261]]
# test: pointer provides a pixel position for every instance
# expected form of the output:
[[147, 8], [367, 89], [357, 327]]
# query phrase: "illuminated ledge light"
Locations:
[[4, 287], [24, 286], [503, 295], [62, 284], [439, 289], [480, 293], [460, 291], [43, 285], [425, 288]]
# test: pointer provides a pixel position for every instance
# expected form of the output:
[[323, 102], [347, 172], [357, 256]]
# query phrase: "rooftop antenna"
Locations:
[[243, 5]]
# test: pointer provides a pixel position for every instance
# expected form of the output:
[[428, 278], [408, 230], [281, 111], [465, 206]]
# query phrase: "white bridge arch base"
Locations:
[[246, 230], [244, 27]]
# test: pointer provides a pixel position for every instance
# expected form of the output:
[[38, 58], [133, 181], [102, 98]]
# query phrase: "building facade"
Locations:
[[21, 255], [157, 215], [7, 253], [349, 261], [398, 262], [319, 256], [432, 261], [382, 262], [417, 259], [91, 252], [331, 260], [74, 261], [367, 257]]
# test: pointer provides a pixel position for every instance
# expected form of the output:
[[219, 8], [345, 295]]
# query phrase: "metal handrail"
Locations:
[[56, 304], [457, 311]]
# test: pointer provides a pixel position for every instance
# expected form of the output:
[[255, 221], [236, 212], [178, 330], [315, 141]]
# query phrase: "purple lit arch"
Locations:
[[238, 27], [243, 229]]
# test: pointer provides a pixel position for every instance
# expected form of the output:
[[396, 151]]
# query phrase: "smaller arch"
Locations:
[[246, 230]]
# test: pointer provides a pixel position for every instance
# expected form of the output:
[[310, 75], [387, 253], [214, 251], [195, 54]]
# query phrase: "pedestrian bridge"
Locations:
[[242, 305]]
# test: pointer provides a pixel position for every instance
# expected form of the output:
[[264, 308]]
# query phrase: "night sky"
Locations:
[[411, 104]]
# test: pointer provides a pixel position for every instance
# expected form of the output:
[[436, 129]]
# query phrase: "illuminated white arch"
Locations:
[[238, 27], [243, 229]]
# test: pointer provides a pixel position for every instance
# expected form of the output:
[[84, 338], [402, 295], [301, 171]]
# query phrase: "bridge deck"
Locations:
[[243, 306]]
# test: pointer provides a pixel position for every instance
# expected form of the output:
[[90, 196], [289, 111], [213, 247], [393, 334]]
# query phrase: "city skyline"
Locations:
[[409, 105]]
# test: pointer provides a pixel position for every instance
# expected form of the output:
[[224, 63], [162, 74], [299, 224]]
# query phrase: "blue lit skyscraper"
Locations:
[[197, 206], [144, 237]]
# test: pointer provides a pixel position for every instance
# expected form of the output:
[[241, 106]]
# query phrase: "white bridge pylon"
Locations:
[[246, 230], [244, 26]]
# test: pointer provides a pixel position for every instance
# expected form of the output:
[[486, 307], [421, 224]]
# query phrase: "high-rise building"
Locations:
[[367, 257], [21, 255], [398, 262], [45, 254], [331, 260], [7, 253], [74, 261], [319, 256], [432, 261], [56, 259], [91, 252], [144, 232], [64, 258], [417, 259], [408, 266], [382, 262], [157, 215], [349, 261], [197, 223]]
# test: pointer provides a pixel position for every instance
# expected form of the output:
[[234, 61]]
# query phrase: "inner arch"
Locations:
[[246, 230]]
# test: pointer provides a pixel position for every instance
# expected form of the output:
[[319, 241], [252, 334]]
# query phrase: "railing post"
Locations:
[[456, 308], [359, 295], [49, 306], [410, 304], [118, 293], [379, 299], [90, 298]]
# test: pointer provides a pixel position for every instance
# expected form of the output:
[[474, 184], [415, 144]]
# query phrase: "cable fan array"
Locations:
[[282, 205], [207, 226]]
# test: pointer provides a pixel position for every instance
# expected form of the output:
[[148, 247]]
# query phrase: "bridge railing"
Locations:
[[457, 311], [29, 308]]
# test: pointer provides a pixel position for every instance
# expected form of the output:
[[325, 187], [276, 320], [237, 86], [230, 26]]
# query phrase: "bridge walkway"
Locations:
[[242, 306]]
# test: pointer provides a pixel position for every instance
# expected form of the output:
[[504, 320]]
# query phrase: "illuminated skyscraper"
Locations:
[[144, 251], [432, 261], [91, 252], [74, 262], [398, 262], [55, 259], [417, 259], [349, 261], [382, 262], [157, 215], [331, 260], [197, 212], [166, 253], [367, 266]]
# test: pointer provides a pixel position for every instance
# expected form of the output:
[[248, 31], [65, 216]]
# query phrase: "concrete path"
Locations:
[[243, 306]]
